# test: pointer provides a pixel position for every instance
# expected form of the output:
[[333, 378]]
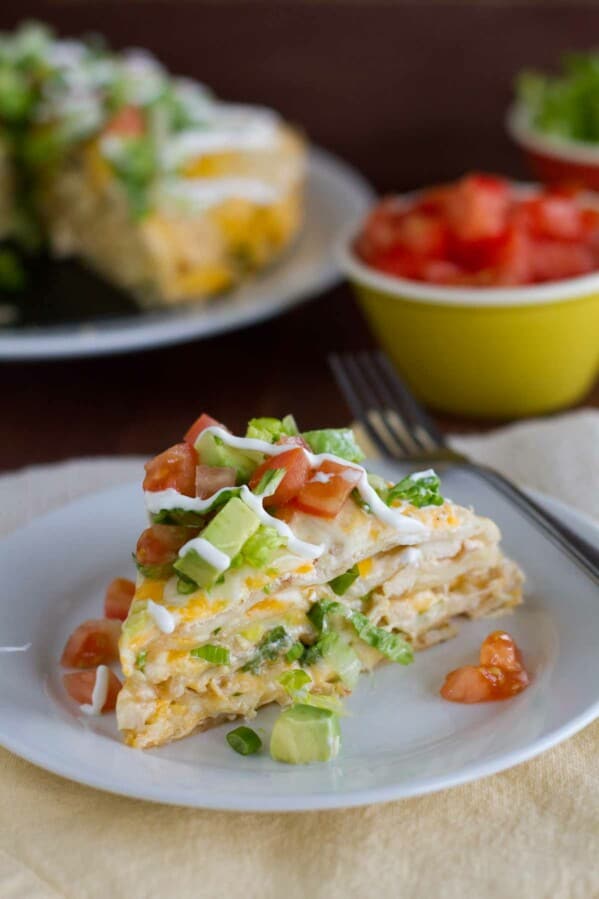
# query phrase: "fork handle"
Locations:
[[579, 549]]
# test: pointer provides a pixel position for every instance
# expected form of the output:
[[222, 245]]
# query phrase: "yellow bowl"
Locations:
[[484, 352]]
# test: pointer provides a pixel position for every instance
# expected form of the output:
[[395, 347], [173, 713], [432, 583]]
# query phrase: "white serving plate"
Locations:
[[335, 196], [400, 739]]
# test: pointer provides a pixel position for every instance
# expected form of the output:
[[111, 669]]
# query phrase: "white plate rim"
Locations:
[[166, 327], [350, 799]]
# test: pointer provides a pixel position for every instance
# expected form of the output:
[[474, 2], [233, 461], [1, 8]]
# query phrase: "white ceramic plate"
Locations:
[[335, 195], [401, 739]]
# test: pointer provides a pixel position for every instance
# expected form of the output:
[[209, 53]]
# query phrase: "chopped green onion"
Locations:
[[244, 740], [343, 582], [392, 646], [140, 660], [296, 651], [295, 681], [218, 655], [272, 644]]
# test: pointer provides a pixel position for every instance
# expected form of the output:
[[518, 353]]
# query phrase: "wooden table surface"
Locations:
[[408, 93]]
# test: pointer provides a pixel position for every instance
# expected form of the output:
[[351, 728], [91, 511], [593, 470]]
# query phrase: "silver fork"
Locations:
[[400, 429]]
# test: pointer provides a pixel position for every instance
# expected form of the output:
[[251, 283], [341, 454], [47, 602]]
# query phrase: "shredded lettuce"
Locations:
[[259, 549], [269, 481], [217, 655], [419, 489], [271, 429], [566, 104], [337, 441]]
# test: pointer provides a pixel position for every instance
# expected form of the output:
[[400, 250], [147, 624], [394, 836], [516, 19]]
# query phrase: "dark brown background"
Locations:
[[407, 93]]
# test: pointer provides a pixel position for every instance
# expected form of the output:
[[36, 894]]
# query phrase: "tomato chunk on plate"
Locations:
[[119, 596], [199, 425], [297, 468], [175, 468], [80, 687], [160, 543], [327, 489], [500, 675], [95, 642]]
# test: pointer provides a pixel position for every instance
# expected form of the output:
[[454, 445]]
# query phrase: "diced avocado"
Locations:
[[137, 620], [231, 527], [214, 451], [192, 566], [339, 655], [304, 734], [227, 532]]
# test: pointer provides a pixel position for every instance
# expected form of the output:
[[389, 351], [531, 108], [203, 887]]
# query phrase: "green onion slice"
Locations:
[[244, 740]]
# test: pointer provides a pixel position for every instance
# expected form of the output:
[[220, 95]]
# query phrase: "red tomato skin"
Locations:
[[554, 260], [325, 500], [553, 216], [160, 543], [119, 596], [80, 687], [127, 122], [297, 468], [470, 684], [175, 467], [199, 425], [478, 206], [95, 642], [426, 236], [500, 675], [499, 650]]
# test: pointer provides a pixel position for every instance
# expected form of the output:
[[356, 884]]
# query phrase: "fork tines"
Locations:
[[384, 406]]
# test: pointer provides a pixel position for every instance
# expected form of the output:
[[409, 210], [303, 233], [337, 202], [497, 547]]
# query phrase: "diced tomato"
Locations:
[[478, 206], [500, 675], [119, 596], [199, 425], [471, 684], [380, 229], [553, 216], [160, 543], [297, 468], [424, 235], [80, 687], [440, 271], [127, 122], [327, 489], [553, 260], [512, 261], [212, 478], [92, 643], [499, 650], [175, 467]]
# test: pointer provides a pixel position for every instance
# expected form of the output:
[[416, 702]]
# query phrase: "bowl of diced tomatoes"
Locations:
[[484, 292]]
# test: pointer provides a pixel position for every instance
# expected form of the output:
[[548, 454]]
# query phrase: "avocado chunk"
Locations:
[[227, 532], [304, 734], [214, 451]]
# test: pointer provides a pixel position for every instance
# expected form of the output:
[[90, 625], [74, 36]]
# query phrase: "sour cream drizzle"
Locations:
[[99, 693], [215, 558], [163, 619], [170, 499]]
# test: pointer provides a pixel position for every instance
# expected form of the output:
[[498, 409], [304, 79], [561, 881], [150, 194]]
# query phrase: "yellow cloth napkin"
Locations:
[[531, 832]]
